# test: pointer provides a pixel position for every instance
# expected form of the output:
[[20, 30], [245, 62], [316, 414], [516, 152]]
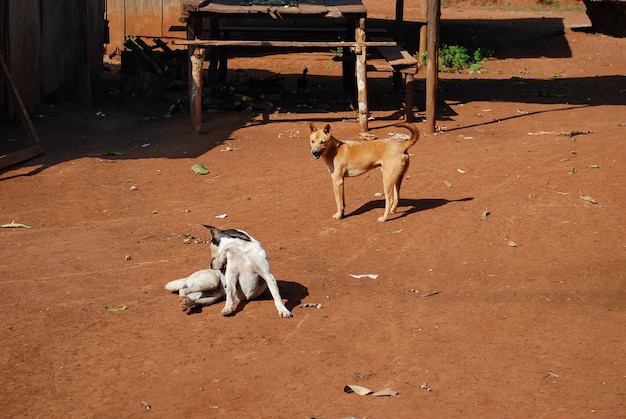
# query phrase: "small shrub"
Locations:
[[455, 58]]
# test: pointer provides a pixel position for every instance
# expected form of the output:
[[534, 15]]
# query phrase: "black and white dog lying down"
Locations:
[[239, 271]]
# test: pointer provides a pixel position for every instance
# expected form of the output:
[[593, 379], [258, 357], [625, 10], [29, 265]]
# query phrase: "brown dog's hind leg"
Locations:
[[396, 194], [389, 184]]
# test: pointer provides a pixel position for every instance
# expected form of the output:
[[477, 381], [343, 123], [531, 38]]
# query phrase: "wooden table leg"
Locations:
[[348, 60], [408, 98], [214, 53], [196, 58], [361, 77]]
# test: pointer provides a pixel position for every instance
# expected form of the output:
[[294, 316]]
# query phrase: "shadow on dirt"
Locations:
[[120, 126], [415, 205], [294, 292], [504, 38]]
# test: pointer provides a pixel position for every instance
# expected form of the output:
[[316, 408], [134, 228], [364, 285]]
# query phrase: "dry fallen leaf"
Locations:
[[360, 390], [364, 391], [13, 224], [588, 199], [385, 392], [371, 276]]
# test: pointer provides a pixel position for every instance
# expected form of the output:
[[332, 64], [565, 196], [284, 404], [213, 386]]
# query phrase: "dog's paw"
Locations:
[[382, 219], [285, 313], [187, 303], [227, 311], [338, 216]]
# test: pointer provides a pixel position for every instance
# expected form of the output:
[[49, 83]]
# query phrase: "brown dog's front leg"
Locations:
[[339, 197]]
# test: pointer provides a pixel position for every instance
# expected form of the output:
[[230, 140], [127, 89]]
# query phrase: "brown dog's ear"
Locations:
[[327, 129], [312, 127]]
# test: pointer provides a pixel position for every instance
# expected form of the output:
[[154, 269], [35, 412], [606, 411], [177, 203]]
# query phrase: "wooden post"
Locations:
[[432, 65], [214, 53], [399, 30], [196, 59], [423, 30], [361, 76], [348, 64], [408, 94]]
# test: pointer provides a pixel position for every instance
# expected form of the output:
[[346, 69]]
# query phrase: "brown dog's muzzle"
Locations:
[[316, 154]]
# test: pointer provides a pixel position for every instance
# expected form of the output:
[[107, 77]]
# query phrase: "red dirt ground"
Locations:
[[535, 330]]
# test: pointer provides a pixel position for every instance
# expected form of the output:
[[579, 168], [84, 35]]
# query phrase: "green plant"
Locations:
[[456, 58], [338, 53], [453, 58]]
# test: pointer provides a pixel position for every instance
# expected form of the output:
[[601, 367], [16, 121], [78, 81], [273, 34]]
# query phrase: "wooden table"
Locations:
[[275, 23], [304, 20]]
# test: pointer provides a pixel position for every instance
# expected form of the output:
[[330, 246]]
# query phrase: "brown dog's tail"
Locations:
[[415, 134]]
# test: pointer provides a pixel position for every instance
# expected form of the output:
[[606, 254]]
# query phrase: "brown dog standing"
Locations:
[[353, 158]]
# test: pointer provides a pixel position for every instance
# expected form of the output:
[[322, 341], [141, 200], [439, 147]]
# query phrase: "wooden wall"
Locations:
[[45, 44], [146, 18]]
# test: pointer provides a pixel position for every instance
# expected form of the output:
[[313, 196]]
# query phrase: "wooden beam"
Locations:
[[281, 44]]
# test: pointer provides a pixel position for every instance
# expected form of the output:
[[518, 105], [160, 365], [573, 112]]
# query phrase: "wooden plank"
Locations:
[[282, 29], [310, 8], [280, 44], [397, 56], [7, 160], [379, 65], [352, 9]]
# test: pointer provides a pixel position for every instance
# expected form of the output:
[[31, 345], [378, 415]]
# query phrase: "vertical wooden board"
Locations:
[[58, 44], [24, 49], [144, 18], [72, 35], [3, 39], [172, 14], [117, 22], [94, 15], [141, 17]]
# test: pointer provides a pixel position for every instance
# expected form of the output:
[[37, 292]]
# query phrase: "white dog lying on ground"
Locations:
[[239, 271]]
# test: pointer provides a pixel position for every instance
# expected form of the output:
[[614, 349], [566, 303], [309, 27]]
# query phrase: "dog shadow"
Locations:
[[294, 292], [414, 205]]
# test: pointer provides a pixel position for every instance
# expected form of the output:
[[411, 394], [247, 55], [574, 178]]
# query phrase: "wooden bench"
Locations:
[[402, 65]]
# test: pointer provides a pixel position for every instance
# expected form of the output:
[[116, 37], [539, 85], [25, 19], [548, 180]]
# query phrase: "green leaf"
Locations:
[[200, 169]]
